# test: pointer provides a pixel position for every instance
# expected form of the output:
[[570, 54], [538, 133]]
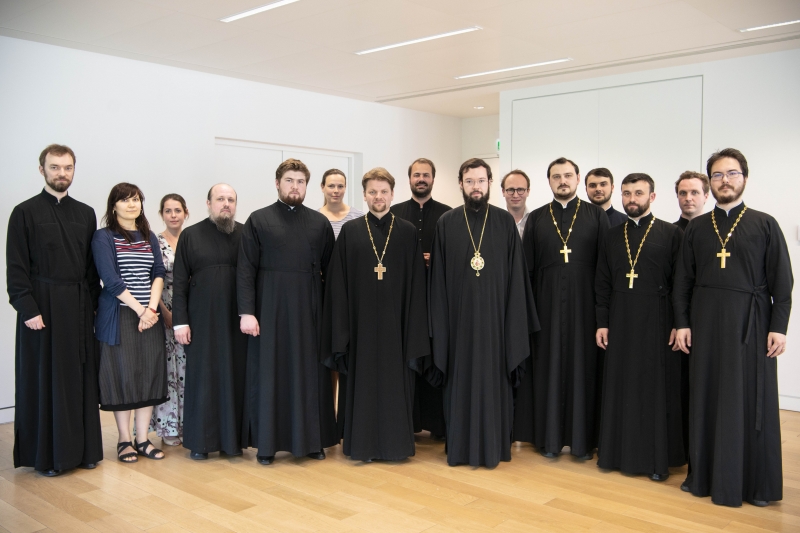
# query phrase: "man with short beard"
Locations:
[[283, 259], [556, 400], [732, 298], [376, 325], [599, 187], [641, 424], [481, 314], [423, 211], [54, 287], [206, 321]]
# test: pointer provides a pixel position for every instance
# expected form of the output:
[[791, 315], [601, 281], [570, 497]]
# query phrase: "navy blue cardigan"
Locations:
[[106, 323]]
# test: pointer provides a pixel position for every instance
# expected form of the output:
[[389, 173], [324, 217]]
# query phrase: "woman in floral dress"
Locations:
[[167, 419]]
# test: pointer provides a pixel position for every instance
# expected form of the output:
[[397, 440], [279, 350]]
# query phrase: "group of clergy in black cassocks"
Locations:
[[494, 341]]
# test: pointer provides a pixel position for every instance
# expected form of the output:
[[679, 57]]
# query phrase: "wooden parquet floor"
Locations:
[[225, 494]]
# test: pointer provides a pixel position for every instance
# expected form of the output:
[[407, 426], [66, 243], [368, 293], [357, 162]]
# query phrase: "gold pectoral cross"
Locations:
[[380, 269], [722, 255], [566, 251], [631, 276]]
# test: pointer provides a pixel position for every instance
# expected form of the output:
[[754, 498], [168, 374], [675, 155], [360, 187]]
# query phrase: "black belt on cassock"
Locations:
[[761, 362], [314, 271], [84, 289]]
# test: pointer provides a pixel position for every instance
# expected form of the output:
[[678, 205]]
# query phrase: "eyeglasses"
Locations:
[[512, 192], [731, 174], [472, 183]]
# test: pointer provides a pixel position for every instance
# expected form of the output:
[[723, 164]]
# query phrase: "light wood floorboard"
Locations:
[[422, 494]]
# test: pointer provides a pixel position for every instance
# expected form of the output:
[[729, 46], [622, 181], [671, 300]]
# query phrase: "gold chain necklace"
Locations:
[[380, 269], [723, 254], [566, 251], [477, 263], [633, 262]]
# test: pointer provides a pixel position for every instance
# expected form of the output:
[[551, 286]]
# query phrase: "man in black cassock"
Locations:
[[556, 401], [641, 427], [376, 325], [53, 285], [481, 314], [692, 190], [732, 298], [283, 257], [423, 211], [206, 321]]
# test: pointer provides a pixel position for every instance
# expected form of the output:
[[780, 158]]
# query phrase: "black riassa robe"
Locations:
[[428, 401], [734, 432], [615, 218], [374, 331], [480, 326], [204, 297], [50, 272], [288, 403], [682, 223], [556, 401], [641, 424]]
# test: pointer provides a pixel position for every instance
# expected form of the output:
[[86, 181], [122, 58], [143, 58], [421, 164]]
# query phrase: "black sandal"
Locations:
[[124, 458], [142, 446]]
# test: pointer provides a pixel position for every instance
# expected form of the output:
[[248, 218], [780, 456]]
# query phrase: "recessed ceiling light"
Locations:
[[256, 10], [478, 107], [514, 68], [770, 26], [420, 40]]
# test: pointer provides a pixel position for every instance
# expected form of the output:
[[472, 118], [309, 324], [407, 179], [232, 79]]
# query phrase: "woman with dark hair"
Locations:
[[168, 417], [334, 185], [133, 372]]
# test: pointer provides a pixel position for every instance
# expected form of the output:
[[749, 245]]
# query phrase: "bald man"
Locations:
[[204, 310]]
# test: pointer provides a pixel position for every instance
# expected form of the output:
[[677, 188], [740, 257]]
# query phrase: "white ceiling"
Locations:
[[310, 44]]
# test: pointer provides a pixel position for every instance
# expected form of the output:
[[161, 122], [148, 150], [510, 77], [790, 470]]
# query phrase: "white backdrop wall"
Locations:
[[157, 126], [749, 103]]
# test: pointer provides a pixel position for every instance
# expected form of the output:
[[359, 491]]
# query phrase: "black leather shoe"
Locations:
[[197, 456], [319, 456], [588, 457], [659, 477], [88, 466], [549, 455], [265, 459], [50, 472], [437, 437], [759, 503], [685, 487]]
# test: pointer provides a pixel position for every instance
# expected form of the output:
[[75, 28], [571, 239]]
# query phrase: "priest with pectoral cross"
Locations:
[[482, 315], [556, 401], [732, 298], [375, 325], [641, 429]]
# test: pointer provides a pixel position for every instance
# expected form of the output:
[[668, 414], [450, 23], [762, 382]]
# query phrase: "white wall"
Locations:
[[155, 126], [749, 103]]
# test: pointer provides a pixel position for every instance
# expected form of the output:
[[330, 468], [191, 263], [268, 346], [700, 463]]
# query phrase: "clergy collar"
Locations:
[[380, 222], [52, 199], [733, 210], [611, 210], [570, 204], [287, 206], [424, 206], [642, 221]]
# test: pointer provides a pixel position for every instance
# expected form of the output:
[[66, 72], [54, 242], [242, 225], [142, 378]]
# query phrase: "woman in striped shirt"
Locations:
[[334, 185], [133, 372]]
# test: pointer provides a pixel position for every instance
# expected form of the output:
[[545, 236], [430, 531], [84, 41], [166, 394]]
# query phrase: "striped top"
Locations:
[[135, 262], [337, 224]]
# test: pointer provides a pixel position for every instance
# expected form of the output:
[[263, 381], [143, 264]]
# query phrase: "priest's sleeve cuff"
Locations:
[[26, 306]]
